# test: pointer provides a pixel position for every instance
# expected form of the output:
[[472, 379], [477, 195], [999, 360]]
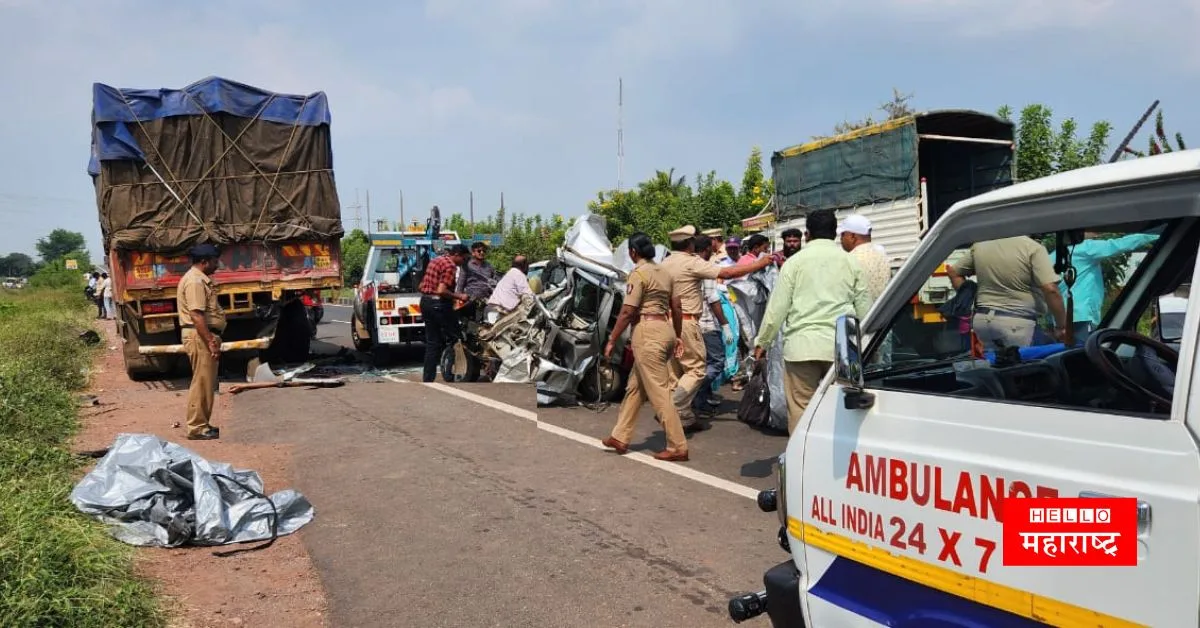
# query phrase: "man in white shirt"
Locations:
[[507, 295]]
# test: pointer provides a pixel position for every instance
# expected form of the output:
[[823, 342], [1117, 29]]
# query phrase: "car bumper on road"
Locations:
[[780, 599]]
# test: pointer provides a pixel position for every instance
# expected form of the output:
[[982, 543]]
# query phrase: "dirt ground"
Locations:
[[277, 586]]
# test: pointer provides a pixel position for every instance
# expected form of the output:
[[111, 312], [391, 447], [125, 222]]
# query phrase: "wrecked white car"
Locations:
[[556, 340]]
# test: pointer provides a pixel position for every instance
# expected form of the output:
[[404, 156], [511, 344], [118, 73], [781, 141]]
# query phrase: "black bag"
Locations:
[[755, 406]]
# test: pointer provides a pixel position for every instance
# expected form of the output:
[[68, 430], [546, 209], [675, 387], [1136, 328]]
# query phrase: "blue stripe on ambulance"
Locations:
[[894, 601]]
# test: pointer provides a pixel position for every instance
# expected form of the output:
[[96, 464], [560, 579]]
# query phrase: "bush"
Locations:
[[57, 567]]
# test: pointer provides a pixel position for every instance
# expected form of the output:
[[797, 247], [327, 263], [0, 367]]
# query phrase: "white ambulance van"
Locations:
[[889, 491]]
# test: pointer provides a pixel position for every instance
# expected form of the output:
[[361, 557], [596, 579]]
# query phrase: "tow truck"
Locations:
[[387, 305]]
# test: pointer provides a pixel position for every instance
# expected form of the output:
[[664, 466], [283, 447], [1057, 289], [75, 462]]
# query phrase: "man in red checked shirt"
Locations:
[[437, 305]]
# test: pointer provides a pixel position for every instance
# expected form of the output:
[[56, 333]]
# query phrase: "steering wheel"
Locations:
[[1111, 369]]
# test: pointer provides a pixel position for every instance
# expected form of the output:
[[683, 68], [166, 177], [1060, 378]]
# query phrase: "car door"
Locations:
[[899, 525]]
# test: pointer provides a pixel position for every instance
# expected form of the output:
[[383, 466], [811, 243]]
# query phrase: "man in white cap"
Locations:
[[855, 234], [687, 272]]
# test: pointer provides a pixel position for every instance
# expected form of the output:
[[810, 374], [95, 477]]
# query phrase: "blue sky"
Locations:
[[437, 98]]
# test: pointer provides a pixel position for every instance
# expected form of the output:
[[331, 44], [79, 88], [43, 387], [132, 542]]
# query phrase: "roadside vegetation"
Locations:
[[57, 567]]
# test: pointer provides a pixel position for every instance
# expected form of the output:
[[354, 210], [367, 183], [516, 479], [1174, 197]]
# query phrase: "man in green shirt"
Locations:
[[815, 286]]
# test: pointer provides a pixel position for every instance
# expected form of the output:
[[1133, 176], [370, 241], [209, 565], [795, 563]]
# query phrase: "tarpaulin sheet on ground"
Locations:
[[249, 165], [156, 493]]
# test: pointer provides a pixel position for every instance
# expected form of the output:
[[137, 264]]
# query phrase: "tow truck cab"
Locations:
[[890, 491]]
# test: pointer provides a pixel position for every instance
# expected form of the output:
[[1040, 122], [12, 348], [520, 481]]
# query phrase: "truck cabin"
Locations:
[[903, 174]]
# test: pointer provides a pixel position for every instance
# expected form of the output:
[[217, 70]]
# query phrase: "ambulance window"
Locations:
[[983, 326]]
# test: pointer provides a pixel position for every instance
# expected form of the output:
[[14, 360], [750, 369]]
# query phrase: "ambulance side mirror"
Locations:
[[847, 360]]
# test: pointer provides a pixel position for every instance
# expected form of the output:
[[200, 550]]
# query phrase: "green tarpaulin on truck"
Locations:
[[871, 165], [216, 161]]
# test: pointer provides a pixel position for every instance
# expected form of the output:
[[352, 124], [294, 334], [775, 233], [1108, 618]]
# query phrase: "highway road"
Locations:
[[467, 505]]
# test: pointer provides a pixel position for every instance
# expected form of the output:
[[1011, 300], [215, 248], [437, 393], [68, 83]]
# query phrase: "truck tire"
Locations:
[[292, 336], [361, 338], [607, 388], [458, 365], [141, 368]]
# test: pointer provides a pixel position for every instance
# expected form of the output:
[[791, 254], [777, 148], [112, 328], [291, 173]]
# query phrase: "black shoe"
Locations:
[[695, 426], [211, 433]]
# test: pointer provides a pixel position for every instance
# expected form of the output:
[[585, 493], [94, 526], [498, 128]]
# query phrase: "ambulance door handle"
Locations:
[[1143, 511]]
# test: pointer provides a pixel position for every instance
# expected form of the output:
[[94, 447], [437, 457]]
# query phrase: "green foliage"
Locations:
[[532, 236], [57, 568], [16, 265], [55, 274], [755, 190], [354, 256], [665, 202], [59, 243]]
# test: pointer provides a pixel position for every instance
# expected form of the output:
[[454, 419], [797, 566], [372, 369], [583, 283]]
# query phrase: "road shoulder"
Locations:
[[277, 586]]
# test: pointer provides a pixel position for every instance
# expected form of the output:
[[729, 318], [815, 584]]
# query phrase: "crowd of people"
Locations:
[[455, 285], [680, 332]]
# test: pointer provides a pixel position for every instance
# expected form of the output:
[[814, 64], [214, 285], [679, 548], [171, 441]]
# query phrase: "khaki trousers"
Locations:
[[204, 383], [801, 380], [653, 342], [690, 367]]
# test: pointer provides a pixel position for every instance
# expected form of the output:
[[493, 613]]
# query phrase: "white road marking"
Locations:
[[337, 305], [676, 468], [342, 322]]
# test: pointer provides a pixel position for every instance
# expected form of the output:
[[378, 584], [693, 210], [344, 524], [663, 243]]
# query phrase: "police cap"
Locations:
[[204, 251], [683, 233]]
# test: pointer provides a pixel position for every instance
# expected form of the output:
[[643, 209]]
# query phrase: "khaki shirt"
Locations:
[[197, 292], [687, 271], [1009, 273], [649, 287]]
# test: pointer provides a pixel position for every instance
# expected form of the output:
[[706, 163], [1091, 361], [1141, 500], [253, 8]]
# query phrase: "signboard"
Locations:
[[758, 223], [72, 264]]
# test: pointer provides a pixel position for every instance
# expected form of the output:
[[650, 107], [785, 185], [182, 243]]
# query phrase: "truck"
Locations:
[[387, 303], [902, 174], [225, 163], [907, 491]]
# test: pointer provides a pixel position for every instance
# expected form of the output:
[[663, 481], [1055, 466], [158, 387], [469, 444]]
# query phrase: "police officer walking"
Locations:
[[687, 272], [648, 302], [202, 320]]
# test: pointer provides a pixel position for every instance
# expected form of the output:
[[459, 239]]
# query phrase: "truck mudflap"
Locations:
[[780, 599], [236, 345]]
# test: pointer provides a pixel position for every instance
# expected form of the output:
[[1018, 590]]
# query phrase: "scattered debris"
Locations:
[[291, 383], [156, 493], [88, 400], [90, 337]]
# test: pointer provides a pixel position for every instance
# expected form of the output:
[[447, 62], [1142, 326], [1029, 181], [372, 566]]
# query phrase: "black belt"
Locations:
[[991, 310]]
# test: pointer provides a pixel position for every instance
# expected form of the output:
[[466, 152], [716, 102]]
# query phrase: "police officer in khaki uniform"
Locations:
[[654, 312], [202, 320], [687, 272]]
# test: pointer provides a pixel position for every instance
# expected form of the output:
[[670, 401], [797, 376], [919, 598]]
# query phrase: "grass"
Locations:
[[57, 567]]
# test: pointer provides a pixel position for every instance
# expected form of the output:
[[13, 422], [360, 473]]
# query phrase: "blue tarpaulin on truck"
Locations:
[[217, 161], [115, 110]]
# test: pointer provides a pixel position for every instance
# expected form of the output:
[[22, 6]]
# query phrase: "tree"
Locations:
[[1042, 150], [755, 187], [16, 265], [354, 256], [59, 243]]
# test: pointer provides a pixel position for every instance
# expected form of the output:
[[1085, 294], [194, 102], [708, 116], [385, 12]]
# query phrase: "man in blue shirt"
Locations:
[[1088, 291]]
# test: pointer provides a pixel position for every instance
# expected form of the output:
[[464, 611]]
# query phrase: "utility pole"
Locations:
[[472, 210], [357, 207], [402, 223], [620, 133], [368, 211]]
